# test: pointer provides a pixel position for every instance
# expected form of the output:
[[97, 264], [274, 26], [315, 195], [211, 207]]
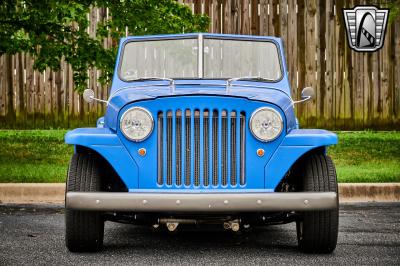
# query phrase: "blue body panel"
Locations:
[[139, 173], [107, 144], [295, 144]]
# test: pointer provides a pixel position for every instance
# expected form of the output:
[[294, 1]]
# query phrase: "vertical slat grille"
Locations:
[[222, 162]]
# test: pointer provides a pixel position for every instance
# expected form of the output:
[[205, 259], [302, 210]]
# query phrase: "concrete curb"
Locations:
[[365, 192], [32, 192], [54, 193]]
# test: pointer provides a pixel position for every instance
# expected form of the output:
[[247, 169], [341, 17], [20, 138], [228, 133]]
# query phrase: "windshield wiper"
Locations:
[[256, 78], [171, 81]]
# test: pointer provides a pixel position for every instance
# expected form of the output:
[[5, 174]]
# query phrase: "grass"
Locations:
[[367, 156], [33, 156], [42, 156]]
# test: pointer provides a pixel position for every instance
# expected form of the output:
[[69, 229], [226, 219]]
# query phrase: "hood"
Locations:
[[124, 96]]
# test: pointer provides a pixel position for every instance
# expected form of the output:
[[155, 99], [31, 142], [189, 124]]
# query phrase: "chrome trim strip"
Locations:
[[201, 202]]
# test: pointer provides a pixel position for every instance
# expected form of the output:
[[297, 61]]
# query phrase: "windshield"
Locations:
[[219, 59]]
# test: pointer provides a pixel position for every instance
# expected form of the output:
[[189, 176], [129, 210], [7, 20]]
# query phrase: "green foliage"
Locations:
[[52, 30], [394, 12]]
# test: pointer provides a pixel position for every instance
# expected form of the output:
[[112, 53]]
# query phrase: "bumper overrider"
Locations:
[[201, 202]]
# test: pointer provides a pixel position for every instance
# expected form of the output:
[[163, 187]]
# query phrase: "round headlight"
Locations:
[[266, 124], [137, 124]]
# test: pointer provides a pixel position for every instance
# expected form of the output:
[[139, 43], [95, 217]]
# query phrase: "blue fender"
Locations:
[[108, 145], [294, 145]]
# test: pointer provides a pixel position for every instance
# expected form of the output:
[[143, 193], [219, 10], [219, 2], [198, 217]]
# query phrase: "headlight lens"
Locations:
[[266, 124], [137, 124]]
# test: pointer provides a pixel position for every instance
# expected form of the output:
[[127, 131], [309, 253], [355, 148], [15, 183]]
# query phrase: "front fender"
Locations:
[[109, 146], [294, 145]]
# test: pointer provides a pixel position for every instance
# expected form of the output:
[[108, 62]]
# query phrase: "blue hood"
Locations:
[[122, 97]]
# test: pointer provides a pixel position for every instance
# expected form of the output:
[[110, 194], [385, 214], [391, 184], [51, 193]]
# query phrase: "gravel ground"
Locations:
[[34, 235]]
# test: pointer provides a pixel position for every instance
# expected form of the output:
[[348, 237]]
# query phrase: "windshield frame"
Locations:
[[200, 46]]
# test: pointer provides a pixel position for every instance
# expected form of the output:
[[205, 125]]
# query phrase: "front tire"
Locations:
[[84, 229], [317, 231]]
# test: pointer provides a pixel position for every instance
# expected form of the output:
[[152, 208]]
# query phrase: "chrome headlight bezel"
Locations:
[[270, 110], [127, 112]]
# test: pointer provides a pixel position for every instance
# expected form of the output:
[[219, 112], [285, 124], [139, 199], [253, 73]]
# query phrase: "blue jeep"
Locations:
[[200, 128]]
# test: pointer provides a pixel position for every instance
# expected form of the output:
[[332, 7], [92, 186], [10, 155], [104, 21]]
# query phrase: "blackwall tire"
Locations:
[[84, 229], [317, 231]]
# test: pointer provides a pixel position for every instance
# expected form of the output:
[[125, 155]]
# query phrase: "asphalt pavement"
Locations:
[[34, 235]]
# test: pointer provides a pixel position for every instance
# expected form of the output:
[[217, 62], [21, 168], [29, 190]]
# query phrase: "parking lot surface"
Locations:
[[34, 235]]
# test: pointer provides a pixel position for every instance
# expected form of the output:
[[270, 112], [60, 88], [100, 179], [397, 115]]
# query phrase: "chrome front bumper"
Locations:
[[201, 202]]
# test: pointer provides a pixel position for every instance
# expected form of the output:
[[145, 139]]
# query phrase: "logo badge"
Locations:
[[366, 26]]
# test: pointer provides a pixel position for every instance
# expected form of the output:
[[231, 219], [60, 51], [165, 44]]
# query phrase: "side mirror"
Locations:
[[307, 94], [88, 95]]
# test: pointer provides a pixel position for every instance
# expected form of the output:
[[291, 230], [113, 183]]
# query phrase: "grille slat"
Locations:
[[201, 147], [215, 148], [206, 151], [187, 148], [224, 148], [233, 150], [160, 148], [237, 144], [169, 148], [178, 142], [242, 148], [196, 147]]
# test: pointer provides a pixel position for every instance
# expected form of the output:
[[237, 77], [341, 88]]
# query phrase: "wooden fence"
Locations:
[[353, 90]]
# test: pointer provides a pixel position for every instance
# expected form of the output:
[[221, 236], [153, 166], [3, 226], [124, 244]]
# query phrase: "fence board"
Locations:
[[396, 109], [283, 24], [216, 16], [330, 42], [263, 17], [245, 18], [376, 77], [320, 28], [29, 89], [227, 8], [353, 90], [273, 18], [20, 88], [3, 95], [339, 62], [301, 58], [348, 91], [291, 47], [386, 93], [310, 55], [391, 72], [255, 19]]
